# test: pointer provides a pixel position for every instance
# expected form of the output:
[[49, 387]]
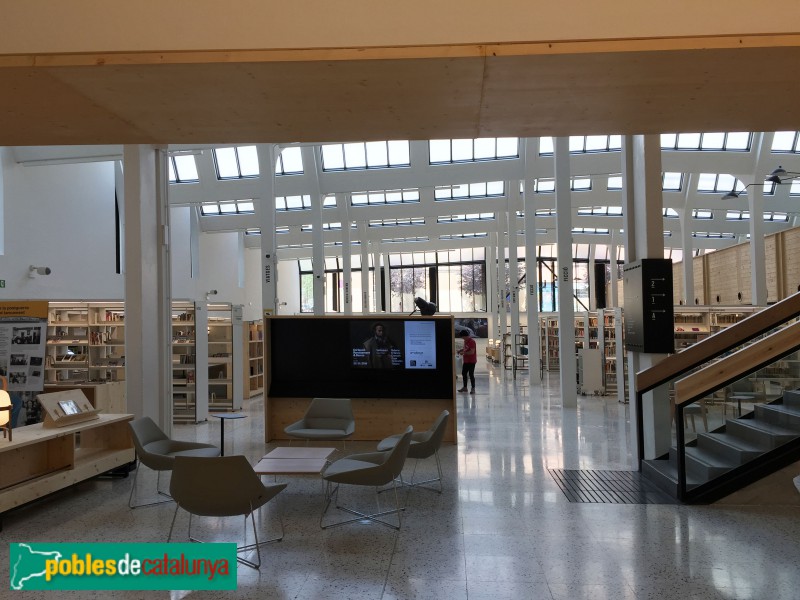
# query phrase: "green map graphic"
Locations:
[[27, 563]]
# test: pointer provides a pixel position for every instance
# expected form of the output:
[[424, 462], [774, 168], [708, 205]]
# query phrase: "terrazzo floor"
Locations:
[[502, 529]]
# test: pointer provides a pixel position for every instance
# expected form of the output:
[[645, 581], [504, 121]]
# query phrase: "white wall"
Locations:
[[62, 217], [288, 287]]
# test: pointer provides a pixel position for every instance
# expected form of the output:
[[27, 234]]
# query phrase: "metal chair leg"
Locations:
[[158, 484], [359, 515]]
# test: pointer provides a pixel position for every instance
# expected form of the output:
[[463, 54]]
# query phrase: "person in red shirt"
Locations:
[[470, 354]]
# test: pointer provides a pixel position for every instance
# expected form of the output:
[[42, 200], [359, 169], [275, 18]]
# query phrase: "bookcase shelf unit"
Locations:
[[225, 351], [85, 343], [254, 363], [184, 363]]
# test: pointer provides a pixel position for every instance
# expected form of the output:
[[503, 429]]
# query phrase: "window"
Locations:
[[702, 213], [669, 213], [365, 155], [182, 169], [238, 162], [786, 141], [403, 196], [718, 183], [472, 150], [465, 217], [283, 203], [601, 211], [334, 287], [733, 141], [713, 235], [546, 185], [582, 144], [671, 182], [614, 182], [397, 222], [591, 230], [227, 207], [290, 162], [469, 190]]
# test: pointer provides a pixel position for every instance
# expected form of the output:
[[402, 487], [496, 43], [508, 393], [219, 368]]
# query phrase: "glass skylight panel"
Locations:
[[713, 141], [252, 231], [737, 215], [329, 201], [776, 217], [399, 153], [290, 162], [590, 230], [332, 157], [794, 190], [467, 150], [461, 236], [209, 208], [355, 156], [738, 140], [688, 141], [670, 213], [185, 168], [718, 182], [671, 182], [171, 167], [544, 186], [785, 141], [246, 206], [472, 190], [377, 154], [226, 163], [248, 161], [668, 140], [581, 184], [545, 212], [702, 213], [293, 202], [546, 145], [614, 182], [384, 197]]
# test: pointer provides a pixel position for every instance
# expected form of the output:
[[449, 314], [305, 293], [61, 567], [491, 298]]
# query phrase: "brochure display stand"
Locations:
[[66, 408]]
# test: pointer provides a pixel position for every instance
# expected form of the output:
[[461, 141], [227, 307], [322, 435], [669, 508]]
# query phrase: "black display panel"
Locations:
[[340, 357]]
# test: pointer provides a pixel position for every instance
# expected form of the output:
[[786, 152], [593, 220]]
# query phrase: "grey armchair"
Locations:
[[424, 444], [369, 469], [325, 419], [222, 486], [157, 452]]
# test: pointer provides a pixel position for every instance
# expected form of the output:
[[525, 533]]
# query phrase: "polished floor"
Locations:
[[502, 529]]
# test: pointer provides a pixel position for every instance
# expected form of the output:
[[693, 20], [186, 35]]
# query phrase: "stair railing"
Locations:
[[708, 350], [713, 377]]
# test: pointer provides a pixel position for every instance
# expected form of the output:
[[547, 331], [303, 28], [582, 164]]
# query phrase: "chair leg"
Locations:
[[239, 549], [158, 484], [422, 484], [359, 515]]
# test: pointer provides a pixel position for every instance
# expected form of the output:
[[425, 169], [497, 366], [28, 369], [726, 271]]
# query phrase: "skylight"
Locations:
[[601, 211], [289, 162], [469, 190], [183, 169], [465, 218], [732, 141], [472, 150], [671, 182], [786, 141], [365, 155], [238, 162], [583, 144], [227, 207], [384, 197], [293, 202], [546, 185]]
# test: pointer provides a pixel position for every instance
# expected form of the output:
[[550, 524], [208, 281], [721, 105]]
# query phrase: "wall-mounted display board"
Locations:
[[397, 370], [23, 334]]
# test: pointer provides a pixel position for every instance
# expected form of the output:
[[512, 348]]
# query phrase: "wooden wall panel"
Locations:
[[722, 281], [791, 254], [771, 268], [699, 278], [744, 276], [677, 283]]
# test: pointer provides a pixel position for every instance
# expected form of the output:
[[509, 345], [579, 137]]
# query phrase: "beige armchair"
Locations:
[[325, 419], [222, 486], [157, 452], [424, 444], [373, 469]]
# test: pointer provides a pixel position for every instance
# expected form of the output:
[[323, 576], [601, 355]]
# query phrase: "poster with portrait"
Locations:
[[23, 335]]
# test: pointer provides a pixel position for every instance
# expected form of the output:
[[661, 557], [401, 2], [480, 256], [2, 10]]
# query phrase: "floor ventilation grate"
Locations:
[[608, 487]]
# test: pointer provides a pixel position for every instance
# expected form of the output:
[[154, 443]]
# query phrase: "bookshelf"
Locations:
[[184, 363], [254, 365]]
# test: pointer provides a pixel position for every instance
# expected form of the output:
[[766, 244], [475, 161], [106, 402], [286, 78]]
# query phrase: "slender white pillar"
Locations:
[[269, 258], [532, 286], [148, 299], [566, 309], [342, 201], [365, 291]]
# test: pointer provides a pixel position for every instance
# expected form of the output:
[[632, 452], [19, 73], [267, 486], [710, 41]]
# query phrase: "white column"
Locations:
[[532, 286], [592, 282], [613, 301], [148, 300], [269, 259], [387, 284], [342, 201], [365, 292], [755, 201], [687, 270], [566, 308], [512, 201], [310, 161], [491, 284], [643, 210]]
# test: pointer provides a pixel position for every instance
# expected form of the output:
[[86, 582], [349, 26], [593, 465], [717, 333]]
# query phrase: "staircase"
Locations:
[[735, 455]]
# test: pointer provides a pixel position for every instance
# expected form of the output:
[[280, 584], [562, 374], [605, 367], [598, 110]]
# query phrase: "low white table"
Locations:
[[293, 461]]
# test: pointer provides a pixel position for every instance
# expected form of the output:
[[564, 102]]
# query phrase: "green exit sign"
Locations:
[[2, 283]]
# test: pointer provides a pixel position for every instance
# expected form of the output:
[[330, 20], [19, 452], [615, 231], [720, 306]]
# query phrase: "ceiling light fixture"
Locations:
[[777, 176]]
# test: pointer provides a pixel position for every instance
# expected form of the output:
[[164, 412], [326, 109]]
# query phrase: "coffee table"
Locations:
[[293, 461]]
